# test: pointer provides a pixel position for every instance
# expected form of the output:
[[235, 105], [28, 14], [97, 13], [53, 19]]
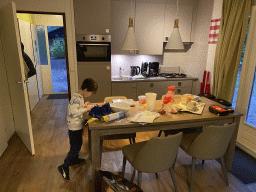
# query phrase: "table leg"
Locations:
[[89, 143], [228, 157], [95, 152]]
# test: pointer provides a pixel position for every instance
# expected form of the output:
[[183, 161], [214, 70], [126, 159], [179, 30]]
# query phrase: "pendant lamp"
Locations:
[[175, 41], [130, 42], [130, 39]]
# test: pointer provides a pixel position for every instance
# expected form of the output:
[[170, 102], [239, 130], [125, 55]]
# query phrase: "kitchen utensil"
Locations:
[[153, 69], [207, 86], [135, 70], [142, 99], [150, 99], [144, 68], [120, 106]]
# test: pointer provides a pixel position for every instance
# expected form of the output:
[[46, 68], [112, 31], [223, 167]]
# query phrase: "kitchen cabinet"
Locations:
[[152, 22], [92, 17], [160, 88], [185, 15], [101, 73], [148, 24], [121, 11], [132, 89], [127, 89], [149, 28]]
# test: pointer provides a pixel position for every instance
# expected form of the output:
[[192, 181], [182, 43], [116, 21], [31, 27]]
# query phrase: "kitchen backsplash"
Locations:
[[125, 61]]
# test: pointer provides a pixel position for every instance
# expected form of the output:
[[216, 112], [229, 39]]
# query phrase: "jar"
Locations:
[[142, 99]]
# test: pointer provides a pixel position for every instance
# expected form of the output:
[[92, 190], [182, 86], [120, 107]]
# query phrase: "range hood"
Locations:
[[187, 46]]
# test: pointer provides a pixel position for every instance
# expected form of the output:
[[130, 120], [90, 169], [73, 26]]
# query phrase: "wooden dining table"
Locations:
[[166, 121]]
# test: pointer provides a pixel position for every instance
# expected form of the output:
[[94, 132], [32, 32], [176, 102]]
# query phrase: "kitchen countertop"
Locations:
[[159, 78]]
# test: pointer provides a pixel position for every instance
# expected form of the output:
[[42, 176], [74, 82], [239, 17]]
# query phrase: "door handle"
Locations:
[[25, 81]]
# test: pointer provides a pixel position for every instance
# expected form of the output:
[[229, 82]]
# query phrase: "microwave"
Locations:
[[93, 48]]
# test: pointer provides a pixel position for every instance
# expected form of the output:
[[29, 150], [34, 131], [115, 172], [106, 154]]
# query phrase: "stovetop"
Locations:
[[173, 75]]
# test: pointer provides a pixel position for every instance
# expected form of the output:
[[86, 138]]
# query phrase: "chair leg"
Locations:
[[156, 175], [224, 170], [124, 164], [173, 180], [160, 132], [133, 139], [192, 174], [202, 162], [174, 162], [89, 144], [139, 178], [130, 139]]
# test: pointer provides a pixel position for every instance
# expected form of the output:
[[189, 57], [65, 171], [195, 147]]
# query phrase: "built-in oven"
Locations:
[[93, 48]]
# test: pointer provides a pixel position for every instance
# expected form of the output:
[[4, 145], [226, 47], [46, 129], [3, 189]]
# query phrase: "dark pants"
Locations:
[[75, 140]]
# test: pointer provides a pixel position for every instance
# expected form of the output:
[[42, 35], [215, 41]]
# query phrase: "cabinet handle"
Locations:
[[179, 83], [151, 84], [178, 90]]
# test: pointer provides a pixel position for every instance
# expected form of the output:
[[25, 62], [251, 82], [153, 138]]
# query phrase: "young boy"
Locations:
[[75, 120]]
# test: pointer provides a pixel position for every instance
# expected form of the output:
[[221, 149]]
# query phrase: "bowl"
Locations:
[[120, 106]]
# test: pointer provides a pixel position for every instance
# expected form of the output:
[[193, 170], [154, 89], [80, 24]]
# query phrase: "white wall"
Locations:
[[125, 61], [193, 62], [216, 14]]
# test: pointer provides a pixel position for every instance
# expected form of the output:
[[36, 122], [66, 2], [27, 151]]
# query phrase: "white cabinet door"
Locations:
[[121, 11], [15, 72], [185, 19], [26, 39], [149, 28]]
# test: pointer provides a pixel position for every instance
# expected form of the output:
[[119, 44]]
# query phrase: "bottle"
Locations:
[[169, 95], [112, 116]]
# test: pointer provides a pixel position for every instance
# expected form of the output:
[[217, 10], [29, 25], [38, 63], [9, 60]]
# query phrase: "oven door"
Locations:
[[93, 51]]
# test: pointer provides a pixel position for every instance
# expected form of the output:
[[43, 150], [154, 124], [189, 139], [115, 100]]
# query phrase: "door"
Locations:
[[37, 60], [3, 139], [246, 97], [26, 39], [15, 72]]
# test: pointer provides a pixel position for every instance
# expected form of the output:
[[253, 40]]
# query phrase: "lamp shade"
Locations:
[[130, 42], [175, 41]]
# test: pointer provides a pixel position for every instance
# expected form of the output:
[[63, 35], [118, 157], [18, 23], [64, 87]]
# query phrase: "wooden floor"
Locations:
[[19, 171]]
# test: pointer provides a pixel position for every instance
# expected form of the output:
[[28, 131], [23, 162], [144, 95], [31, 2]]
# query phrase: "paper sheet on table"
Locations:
[[199, 111], [145, 117]]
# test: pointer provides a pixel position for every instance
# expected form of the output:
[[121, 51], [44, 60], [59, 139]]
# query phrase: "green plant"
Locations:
[[57, 49]]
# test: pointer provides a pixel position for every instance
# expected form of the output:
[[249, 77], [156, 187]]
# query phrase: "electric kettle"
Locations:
[[135, 70]]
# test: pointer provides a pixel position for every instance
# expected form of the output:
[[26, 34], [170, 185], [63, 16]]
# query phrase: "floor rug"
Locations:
[[243, 167], [58, 96]]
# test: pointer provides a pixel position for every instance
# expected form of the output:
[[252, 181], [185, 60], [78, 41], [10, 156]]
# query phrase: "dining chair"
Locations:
[[155, 155], [130, 136], [211, 144]]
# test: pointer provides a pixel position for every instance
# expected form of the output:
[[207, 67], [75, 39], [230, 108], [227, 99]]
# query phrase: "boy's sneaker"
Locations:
[[78, 161], [64, 172]]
